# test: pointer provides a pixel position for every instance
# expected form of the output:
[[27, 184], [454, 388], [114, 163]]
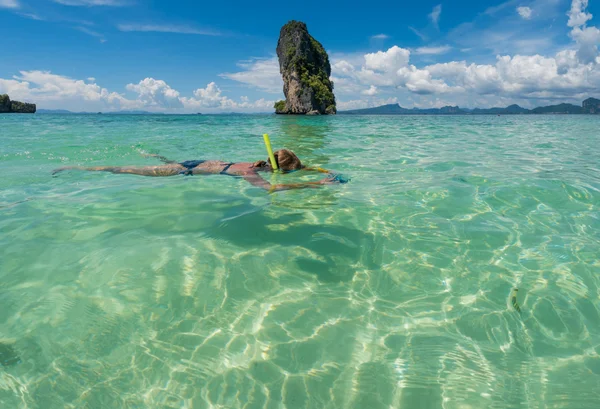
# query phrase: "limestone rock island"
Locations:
[[8, 106], [305, 69]]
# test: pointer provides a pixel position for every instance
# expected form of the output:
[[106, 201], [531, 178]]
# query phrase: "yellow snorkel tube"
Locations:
[[270, 151], [272, 156], [339, 178]]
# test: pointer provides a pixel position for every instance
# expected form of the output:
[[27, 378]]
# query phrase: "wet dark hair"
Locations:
[[286, 161]]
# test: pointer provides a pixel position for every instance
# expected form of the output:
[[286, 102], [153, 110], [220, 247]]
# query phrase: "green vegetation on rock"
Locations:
[[4, 103], [8, 106], [279, 106], [305, 69]]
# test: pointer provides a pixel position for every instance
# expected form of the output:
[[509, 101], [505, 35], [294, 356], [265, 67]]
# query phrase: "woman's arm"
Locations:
[[258, 181]]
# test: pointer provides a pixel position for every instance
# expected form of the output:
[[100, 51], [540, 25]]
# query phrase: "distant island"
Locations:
[[589, 106], [64, 111], [15, 107]]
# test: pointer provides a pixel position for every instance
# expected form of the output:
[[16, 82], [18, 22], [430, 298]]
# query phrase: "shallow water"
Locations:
[[392, 291]]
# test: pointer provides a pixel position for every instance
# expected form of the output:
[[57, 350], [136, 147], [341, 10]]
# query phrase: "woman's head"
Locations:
[[286, 161]]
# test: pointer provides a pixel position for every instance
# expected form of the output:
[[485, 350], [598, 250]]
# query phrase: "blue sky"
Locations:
[[184, 56]]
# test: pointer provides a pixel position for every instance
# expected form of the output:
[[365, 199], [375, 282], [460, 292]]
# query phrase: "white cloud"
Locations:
[[156, 93], [166, 29], [421, 82], [524, 12], [380, 37], [211, 97], [56, 91], [587, 38], [387, 69], [9, 4], [261, 105], [262, 74], [346, 86], [371, 91], [433, 50], [387, 61], [343, 67], [577, 15], [522, 76], [511, 77], [43, 87], [434, 16], [91, 3]]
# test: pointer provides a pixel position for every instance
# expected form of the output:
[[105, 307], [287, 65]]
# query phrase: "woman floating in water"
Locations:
[[286, 160]]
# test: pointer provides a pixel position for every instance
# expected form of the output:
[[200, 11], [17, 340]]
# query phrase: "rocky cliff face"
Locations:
[[305, 69], [8, 106]]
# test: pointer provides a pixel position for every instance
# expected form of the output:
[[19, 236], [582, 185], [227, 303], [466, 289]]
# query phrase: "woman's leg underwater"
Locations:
[[163, 170]]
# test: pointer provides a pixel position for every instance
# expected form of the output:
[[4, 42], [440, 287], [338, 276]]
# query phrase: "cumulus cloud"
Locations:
[[371, 91], [421, 82], [9, 4], [262, 74], [434, 16], [211, 97], [433, 50], [156, 93], [387, 61], [50, 90], [389, 69], [524, 12], [587, 38], [43, 87], [578, 15]]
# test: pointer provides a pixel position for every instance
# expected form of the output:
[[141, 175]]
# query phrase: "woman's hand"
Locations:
[[334, 179]]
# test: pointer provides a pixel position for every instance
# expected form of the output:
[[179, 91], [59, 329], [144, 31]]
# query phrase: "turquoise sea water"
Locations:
[[392, 291]]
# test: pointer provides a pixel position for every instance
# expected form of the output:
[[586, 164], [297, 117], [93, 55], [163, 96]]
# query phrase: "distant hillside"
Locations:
[[395, 109], [511, 109], [559, 109]]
